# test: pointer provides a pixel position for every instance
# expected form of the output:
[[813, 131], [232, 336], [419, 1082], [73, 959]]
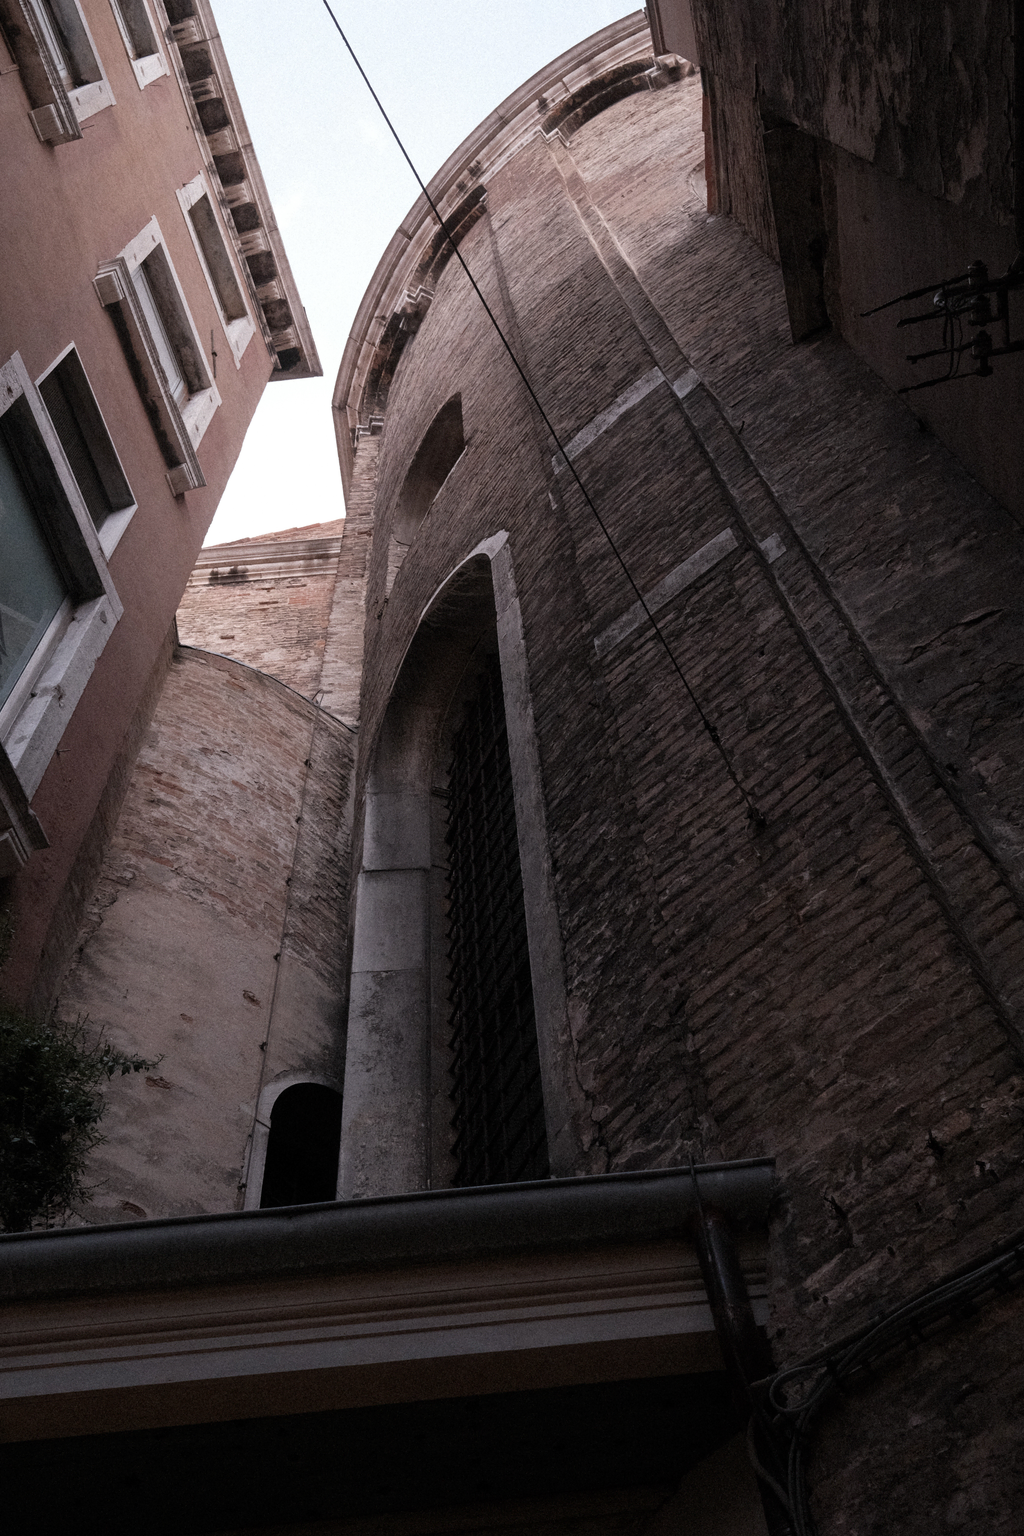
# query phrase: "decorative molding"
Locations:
[[212, 101], [396, 295], [253, 560]]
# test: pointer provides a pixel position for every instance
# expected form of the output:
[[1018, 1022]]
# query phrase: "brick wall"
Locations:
[[215, 938], [266, 601], [838, 986]]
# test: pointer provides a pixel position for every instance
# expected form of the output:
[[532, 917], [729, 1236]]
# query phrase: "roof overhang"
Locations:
[[209, 91], [443, 1294]]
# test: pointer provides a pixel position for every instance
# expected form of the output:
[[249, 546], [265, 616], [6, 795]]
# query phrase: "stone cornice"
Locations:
[[204, 76], [396, 289], [253, 560]]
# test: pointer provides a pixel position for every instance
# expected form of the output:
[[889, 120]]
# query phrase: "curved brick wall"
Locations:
[[839, 987], [216, 934]]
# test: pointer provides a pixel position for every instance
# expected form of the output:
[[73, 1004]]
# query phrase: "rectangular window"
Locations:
[[217, 264], [32, 590], [140, 39], [58, 606], [140, 290], [69, 57], [86, 441], [169, 358]]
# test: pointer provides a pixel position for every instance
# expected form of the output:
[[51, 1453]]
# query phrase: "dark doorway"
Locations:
[[302, 1153]]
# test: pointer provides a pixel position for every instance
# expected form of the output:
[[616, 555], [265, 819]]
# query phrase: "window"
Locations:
[[302, 1149], [435, 458], [498, 1120], [60, 68], [58, 606], [457, 978], [217, 264], [32, 589], [86, 442], [140, 290], [136, 28]]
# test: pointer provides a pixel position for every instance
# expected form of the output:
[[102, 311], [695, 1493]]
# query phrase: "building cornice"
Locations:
[[398, 294], [255, 560], [204, 76], [433, 1295]]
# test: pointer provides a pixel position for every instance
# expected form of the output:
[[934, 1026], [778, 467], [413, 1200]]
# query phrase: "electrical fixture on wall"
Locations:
[[959, 301]]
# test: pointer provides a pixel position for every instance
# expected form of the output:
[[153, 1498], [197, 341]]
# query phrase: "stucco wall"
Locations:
[[69, 208], [909, 117], [919, 89]]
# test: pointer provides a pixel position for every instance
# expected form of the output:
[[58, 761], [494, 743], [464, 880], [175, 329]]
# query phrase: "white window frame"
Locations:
[[149, 66], [36, 713], [181, 426], [57, 122], [113, 526], [238, 332]]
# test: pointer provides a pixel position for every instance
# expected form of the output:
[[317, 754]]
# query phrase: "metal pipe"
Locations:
[[745, 1350]]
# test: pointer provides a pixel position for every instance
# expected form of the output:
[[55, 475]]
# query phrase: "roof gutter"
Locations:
[[448, 1224]]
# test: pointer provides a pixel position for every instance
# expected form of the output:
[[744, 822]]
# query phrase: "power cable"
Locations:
[[795, 1397], [756, 818]]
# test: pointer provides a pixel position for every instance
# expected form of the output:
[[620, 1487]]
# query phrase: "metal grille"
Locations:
[[499, 1112]]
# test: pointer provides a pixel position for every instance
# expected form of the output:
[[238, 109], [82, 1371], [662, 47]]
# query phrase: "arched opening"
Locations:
[[301, 1165], [497, 1103], [437, 946], [435, 458]]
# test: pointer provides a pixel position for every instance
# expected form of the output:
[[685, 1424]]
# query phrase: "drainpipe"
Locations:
[[744, 1350]]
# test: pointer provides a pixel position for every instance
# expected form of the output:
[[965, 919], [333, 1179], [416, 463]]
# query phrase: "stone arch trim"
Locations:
[[393, 1117], [261, 1128]]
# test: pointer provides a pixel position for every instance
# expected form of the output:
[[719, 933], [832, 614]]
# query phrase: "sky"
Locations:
[[340, 187]]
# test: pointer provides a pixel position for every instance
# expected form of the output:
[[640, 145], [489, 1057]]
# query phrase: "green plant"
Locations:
[[50, 1107]]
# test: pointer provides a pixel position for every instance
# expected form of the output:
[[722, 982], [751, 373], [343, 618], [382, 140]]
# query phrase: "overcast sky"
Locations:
[[340, 187]]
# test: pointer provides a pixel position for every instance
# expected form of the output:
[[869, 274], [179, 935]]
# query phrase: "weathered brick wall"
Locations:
[[266, 601], [839, 988], [215, 938]]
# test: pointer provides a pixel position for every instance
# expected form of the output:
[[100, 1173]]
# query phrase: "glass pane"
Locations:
[[136, 22], [158, 331], [62, 21], [31, 588]]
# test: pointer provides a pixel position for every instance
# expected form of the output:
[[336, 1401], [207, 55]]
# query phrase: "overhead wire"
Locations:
[[756, 818]]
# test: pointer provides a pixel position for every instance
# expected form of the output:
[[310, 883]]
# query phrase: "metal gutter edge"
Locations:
[[428, 1227]]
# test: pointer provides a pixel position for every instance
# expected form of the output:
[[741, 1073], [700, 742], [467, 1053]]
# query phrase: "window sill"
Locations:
[[112, 527], [239, 334], [150, 68], [197, 413], [87, 100]]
